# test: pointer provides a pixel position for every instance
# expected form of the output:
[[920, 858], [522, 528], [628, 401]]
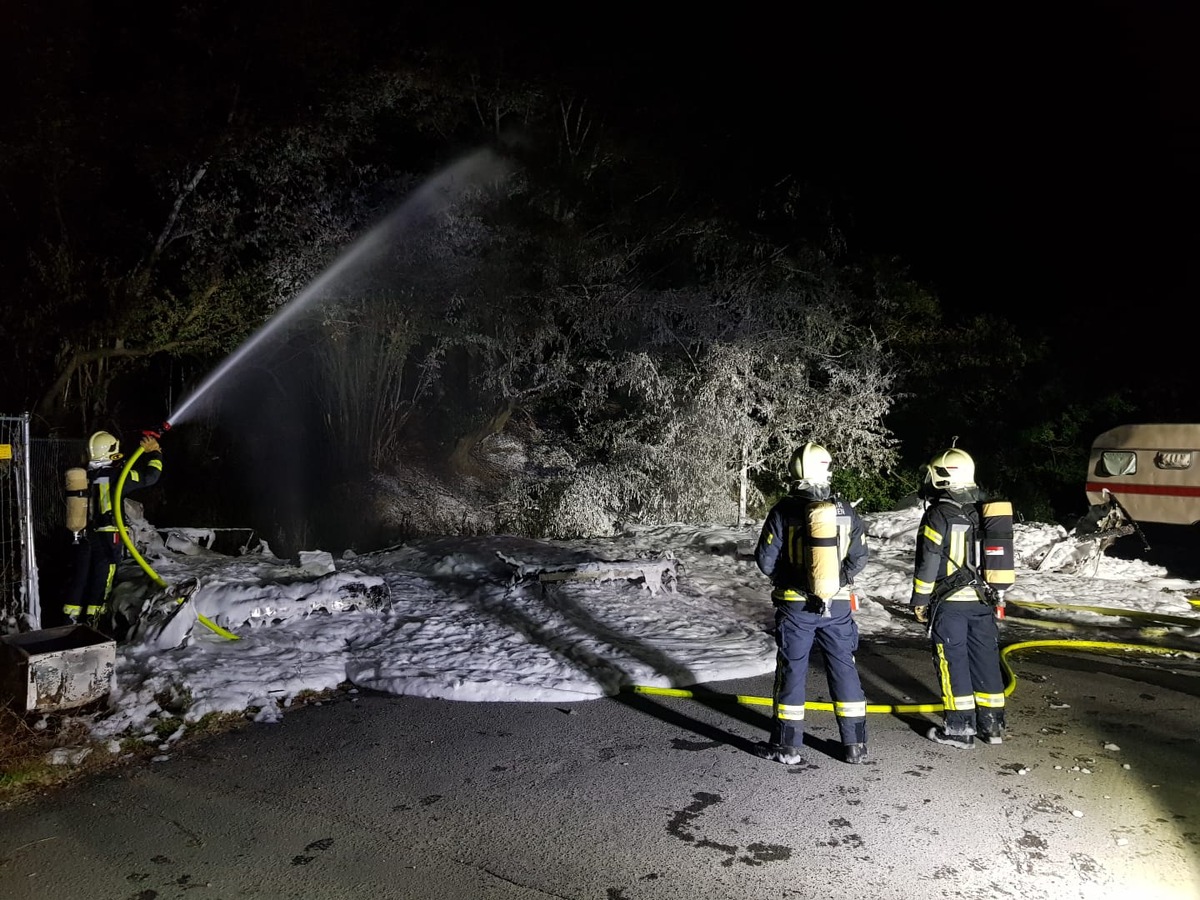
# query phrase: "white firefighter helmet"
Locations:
[[810, 463], [951, 468], [103, 447]]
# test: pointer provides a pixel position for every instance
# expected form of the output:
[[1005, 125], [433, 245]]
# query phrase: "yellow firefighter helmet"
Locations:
[[951, 468], [103, 447], [810, 463]]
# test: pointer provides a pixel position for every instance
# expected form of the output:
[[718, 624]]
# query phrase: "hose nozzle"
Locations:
[[162, 429]]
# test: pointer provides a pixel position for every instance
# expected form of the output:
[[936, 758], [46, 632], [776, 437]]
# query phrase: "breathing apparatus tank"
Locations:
[[824, 567], [997, 559], [76, 482]]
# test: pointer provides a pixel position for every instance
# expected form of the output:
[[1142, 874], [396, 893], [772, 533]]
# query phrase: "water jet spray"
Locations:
[[431, 198]]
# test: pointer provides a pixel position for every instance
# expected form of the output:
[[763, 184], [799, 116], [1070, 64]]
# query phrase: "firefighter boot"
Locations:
[[959, 741], [989, 725], [855, 753], [780, 753]]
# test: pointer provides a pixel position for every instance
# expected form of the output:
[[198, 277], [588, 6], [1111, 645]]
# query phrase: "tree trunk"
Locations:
[[743, 490], [461, 459], [743, 485]]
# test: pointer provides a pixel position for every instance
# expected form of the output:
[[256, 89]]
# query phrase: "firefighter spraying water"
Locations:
[[93, 517]]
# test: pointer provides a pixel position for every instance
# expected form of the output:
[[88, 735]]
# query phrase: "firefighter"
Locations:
[[950, 598], [786, 553], [97, 549]]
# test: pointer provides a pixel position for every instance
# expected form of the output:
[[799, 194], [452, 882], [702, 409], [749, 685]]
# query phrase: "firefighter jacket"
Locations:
[[102, 481], [947, 559], [780, 552]]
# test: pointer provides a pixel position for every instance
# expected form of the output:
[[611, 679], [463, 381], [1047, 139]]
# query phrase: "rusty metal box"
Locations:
[[56, 668]]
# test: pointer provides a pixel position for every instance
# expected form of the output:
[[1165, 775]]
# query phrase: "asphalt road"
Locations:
[[374, 796]]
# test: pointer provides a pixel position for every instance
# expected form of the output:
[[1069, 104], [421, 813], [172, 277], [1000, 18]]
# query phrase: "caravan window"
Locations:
[[1174, 459], [1117, 462]]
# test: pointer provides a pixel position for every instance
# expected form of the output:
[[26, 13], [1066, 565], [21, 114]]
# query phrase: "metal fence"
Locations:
[[32, 529], [20, 602], [49, 459]]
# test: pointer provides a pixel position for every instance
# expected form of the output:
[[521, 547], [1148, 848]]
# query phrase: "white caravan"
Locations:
[[1153, 472]]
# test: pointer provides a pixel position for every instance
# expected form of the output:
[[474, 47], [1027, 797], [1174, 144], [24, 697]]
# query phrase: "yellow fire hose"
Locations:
[[1159, 618], [1011, 677], [133, 551]]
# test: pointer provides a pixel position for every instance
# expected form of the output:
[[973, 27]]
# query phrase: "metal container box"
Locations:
[[56, 668]]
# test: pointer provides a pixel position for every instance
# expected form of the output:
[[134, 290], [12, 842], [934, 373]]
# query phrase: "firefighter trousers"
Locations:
[[93, 568], [797, 628], [966, 655]]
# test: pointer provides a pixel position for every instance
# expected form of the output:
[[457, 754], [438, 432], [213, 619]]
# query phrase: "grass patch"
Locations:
[[28, 741], [31, 743]]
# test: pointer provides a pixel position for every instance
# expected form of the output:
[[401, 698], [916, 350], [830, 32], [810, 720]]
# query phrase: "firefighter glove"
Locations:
[[922, 613], [150, 444]]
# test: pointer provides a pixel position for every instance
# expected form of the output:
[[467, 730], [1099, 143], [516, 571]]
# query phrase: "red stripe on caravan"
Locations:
[[1158, 490]]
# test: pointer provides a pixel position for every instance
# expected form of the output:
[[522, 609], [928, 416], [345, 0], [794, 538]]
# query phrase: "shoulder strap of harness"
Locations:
[[967, 573]]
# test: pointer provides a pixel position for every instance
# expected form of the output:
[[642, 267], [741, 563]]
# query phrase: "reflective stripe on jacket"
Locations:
[[103, 482]]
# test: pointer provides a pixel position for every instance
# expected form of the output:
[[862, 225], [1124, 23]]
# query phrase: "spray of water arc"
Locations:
[[434, 195]]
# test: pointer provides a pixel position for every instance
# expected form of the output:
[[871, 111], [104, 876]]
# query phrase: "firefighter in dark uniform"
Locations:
[[784, 553], [951, 599], [97, 551]]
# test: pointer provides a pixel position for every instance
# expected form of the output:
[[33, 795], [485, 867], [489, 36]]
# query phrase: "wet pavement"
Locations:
[[1093, 795]]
